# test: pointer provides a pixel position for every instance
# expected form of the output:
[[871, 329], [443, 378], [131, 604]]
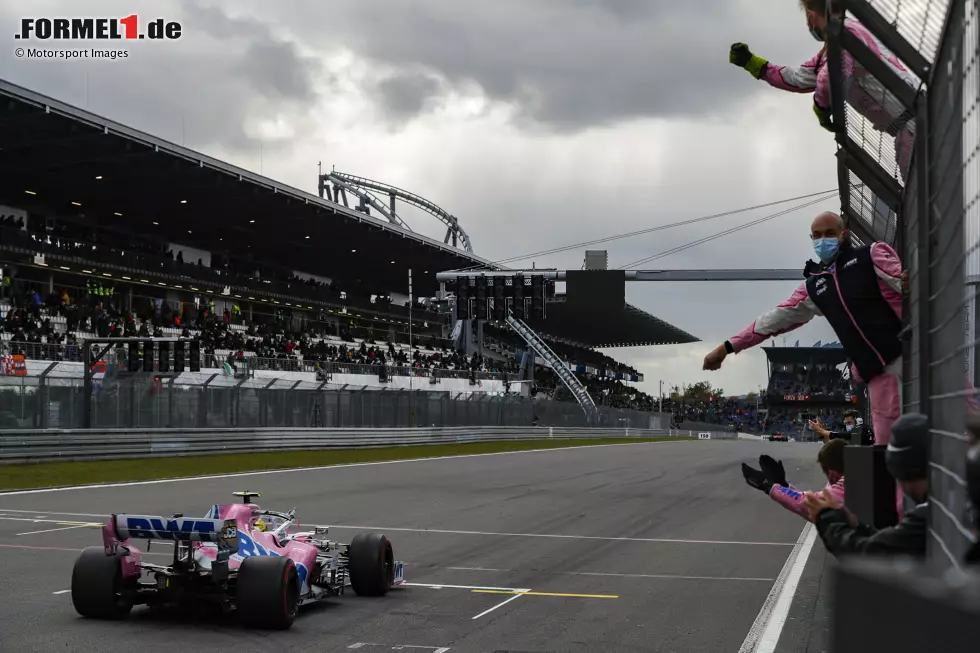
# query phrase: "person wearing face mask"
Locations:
[[859, 291], [861, 89], [854, 430]]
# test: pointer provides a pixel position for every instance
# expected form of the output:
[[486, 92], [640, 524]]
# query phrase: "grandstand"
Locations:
[[108, 231]]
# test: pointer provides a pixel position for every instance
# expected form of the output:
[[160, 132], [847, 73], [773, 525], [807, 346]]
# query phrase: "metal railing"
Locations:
[[36, 446], [916, 184], [39, 351], [203, 400]]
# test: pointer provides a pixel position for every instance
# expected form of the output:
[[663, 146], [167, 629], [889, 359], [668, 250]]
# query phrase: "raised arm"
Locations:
[[791, 314], [795, 79]]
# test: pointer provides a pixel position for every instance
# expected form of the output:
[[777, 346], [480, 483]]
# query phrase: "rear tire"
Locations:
[[371, 564], [267, 592], [98, 590]]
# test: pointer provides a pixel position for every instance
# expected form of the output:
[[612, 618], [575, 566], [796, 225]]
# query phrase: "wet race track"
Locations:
[[640, 547]]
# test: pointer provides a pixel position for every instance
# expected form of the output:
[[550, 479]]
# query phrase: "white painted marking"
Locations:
[[466, 587], [40, 516], [488, 533], [61, 592], [72, 514], [399, 647], [476, 569], [61, 528], [499, 605], [549, 535], [768, 625], [322, 467], [50, 521], [616, 575]]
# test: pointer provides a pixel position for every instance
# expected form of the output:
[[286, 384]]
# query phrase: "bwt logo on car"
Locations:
[[98, 29], [153, 528]]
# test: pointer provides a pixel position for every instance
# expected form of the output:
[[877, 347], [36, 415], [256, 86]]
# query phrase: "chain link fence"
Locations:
[[910, 176], [202, 400]]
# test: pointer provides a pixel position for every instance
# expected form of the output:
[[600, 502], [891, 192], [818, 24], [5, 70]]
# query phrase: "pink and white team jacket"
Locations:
[[792, 499], [800, 309]]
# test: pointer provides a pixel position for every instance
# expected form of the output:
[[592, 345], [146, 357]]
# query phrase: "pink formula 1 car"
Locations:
[[238, 556]]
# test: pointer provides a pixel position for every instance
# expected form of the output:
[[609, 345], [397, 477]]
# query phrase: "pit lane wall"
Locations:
[[93, 444]]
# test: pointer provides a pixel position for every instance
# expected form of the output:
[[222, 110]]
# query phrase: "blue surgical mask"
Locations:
[[826, 248], [848, 427], [815, 33]]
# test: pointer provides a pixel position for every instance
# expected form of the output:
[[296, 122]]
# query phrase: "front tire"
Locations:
[[98, 590], [371, 564], [267, 592]]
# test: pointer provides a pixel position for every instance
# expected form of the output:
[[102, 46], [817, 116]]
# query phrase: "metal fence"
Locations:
[[39, 351], [94, 444], [915, 183], [201, 400]]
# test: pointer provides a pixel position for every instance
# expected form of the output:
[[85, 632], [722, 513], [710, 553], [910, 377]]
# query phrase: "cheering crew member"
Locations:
[[854, 430], [907, 459], [771, 479], [859, 291], [862, 90]]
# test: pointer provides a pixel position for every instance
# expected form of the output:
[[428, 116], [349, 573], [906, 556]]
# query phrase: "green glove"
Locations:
[[741, 56], [825, 116]]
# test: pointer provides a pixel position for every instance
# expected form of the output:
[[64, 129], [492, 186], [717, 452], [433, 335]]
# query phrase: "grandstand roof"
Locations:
[[632, 327], [834, 355], [161, 190]]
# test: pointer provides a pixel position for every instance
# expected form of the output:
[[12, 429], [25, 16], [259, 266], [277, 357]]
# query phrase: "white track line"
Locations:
[[768, 625], [484, 533], [62, 528], [439, 586], [61, 592], [616, 575], [499, 605], [553, 536], [50, 521], [322, 467], [71, 514]]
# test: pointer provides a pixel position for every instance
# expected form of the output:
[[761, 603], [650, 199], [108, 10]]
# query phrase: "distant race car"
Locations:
[[778, 437], [238, 557]]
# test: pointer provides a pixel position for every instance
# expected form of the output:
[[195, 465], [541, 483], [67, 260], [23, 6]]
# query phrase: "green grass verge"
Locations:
[[54, 474]]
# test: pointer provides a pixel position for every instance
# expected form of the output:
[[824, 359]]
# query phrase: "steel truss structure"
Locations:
[[335, 186]]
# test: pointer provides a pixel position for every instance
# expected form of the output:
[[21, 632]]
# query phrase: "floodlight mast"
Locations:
[[642, 275]]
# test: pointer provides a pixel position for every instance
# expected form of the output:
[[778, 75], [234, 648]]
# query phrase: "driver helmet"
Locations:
[[260, 525]]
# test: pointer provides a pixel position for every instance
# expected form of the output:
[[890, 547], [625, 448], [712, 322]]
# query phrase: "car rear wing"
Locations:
[[181, 529]]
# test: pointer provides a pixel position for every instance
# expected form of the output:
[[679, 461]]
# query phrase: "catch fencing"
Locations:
[[201, 400], [72, 445], [915, 183]]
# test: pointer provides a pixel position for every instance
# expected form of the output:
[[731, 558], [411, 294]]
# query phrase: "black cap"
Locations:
[[907, 456]]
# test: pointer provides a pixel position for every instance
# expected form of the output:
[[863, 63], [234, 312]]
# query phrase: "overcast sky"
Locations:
[[538, 123]]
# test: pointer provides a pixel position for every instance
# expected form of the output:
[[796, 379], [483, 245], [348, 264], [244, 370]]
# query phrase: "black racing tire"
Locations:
[[267, 594], [371, 564], [98, 590]]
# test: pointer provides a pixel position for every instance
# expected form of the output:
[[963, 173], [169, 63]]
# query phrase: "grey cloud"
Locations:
[[270, 64], [404, 96], [202, 91], [565, 64]]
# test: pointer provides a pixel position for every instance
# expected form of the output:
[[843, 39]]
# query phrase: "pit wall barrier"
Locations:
[[77, 444]]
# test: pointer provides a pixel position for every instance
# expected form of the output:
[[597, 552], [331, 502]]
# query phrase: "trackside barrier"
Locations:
[[77, 444]]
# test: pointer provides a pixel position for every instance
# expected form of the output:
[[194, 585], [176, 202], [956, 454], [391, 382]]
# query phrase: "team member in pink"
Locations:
[[861, 89], [859, 291], [771, 479]]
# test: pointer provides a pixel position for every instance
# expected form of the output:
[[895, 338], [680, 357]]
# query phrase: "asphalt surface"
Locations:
[[670, 530]]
